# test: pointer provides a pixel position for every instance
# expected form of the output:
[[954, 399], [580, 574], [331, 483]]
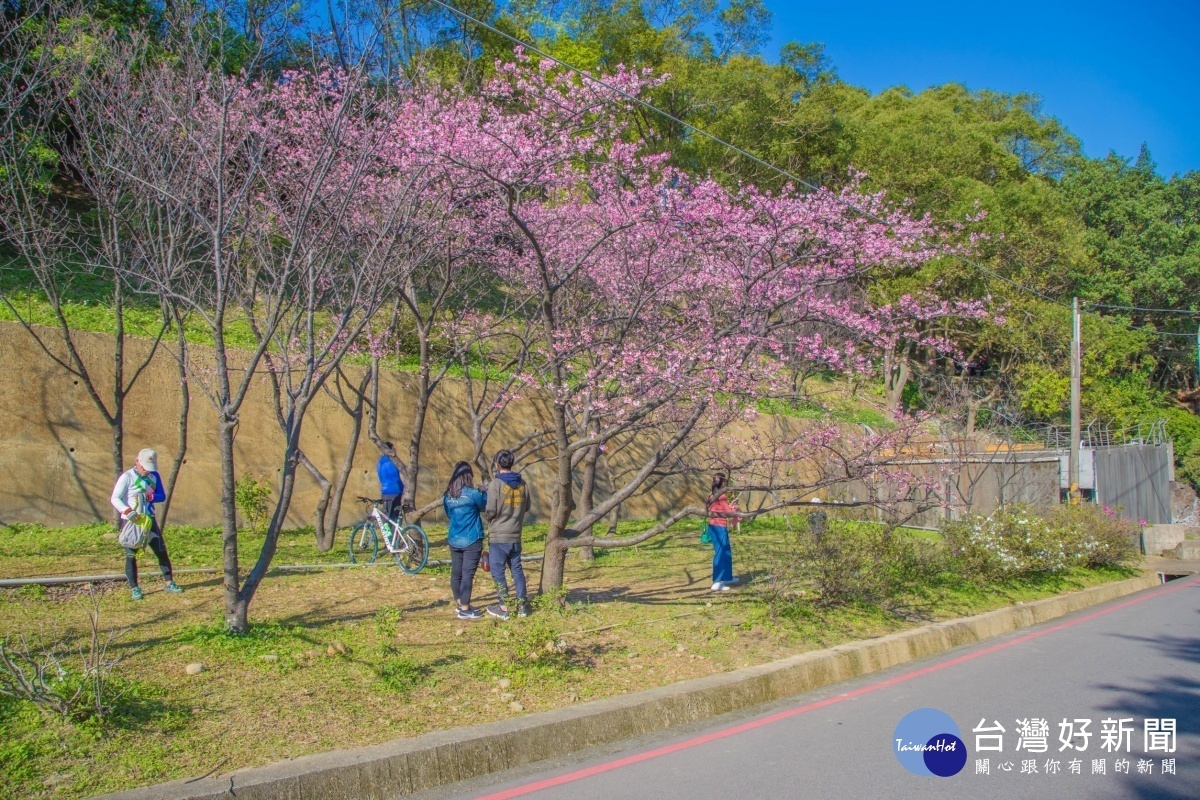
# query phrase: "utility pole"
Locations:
[[1073, 463]]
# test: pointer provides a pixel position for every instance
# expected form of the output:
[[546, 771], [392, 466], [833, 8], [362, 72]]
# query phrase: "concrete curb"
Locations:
[[405, 766]]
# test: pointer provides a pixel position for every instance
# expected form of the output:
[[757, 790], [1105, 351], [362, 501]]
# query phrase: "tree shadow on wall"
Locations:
[[56, 428]]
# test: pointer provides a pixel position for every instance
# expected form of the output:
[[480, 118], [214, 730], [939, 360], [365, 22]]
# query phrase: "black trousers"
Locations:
[[391, 504], [463, 563], [154, 540]]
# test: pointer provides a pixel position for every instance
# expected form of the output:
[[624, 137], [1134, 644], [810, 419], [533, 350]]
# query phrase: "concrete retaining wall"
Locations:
[[1157, 538], [57, 448], [411, 765]]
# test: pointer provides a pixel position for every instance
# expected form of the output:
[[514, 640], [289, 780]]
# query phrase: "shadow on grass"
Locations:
[[137, 705]]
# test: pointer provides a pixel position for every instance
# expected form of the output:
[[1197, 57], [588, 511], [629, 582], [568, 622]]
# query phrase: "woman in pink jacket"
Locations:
[[720, 512]]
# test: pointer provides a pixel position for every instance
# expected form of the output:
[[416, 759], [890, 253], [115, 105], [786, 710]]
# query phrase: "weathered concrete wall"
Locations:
[[55, 450], [1158, 538]]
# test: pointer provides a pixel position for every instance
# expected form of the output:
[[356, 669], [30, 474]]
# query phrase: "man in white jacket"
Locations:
[[136, 491]]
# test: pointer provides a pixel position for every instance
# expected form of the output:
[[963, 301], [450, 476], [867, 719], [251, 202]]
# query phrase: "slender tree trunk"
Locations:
[[343, 478], [973, 407], [235, 608], [329, 505], [896, 367], [587, 495], [615, 516], [320, 531], [561, 507], [287, 486], [118, 411], [185, 403], [418, 430]]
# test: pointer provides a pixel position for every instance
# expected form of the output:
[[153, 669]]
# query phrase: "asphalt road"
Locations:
[[1137, 657]]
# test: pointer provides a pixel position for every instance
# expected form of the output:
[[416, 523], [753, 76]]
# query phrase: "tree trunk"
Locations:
[[973, 407], [329, 505], [235, 609], [287, 485], [561, 507], [615, 519], [896, 367], [237, 616], [554, 564], [185, 403], [343, 478], [118, 411], [414, 441], [323, 536], [587, 494]]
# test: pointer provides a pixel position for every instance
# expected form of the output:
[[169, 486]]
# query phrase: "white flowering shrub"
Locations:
[[1017, 540]]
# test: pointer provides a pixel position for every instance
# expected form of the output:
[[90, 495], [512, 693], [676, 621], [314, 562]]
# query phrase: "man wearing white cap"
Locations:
[[137, 491]]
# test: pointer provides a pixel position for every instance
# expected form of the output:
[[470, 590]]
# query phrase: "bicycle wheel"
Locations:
[[412, 559], [364, 542]]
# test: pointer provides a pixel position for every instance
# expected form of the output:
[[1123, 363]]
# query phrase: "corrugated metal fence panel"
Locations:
[[980, 486], [1136, 477]]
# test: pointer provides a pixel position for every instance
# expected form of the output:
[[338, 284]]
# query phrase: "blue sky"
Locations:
[[1118, 74]]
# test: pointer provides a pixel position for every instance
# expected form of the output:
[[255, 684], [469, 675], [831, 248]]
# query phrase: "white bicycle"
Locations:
[[408, 544]]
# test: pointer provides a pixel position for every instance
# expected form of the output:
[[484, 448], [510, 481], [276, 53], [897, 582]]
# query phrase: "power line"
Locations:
[[1150, 331], [1148, 310]]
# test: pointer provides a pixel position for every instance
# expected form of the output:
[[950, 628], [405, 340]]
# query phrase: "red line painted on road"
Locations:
[[696, 741]]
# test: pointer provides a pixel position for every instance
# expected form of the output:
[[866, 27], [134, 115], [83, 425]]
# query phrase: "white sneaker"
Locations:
[[719, 587]]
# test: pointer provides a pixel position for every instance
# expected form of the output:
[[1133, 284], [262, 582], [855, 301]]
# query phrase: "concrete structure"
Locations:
[[56, 448], [1158, 539]]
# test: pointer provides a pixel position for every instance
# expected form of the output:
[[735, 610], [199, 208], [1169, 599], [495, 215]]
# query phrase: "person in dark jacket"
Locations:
[[391, 485], [463, 504], [507, 504]]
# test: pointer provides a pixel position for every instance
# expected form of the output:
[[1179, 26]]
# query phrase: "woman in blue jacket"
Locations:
[[463, 504]]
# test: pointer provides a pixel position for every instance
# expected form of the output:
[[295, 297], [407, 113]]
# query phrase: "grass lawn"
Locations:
[[634, 619]]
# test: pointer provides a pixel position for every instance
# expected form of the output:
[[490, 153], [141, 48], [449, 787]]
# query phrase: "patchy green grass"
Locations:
[[87, 305], [831, 398], [346, 657]]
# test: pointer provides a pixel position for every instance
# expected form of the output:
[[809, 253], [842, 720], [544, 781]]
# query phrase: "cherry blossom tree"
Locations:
[[281, 214], [666, 306]]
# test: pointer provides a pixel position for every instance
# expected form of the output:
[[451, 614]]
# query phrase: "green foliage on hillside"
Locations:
[[1009, 177]]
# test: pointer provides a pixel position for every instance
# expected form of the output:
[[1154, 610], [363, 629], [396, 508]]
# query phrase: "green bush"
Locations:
[[1017, 541], [1097, 536], [1184, 429], [845, 561], [251, 494]]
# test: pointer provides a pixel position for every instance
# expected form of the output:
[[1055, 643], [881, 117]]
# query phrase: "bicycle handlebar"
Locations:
[[362, 499]]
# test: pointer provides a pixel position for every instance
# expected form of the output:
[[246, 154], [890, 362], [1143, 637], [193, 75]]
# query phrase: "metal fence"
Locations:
[[1136, 480]]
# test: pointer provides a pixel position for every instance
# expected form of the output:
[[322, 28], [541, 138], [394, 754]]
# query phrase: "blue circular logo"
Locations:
[[945, 755], [926, 742]]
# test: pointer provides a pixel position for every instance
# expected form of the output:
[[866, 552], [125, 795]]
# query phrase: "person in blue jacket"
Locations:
[[391, 485], [463, 504]]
